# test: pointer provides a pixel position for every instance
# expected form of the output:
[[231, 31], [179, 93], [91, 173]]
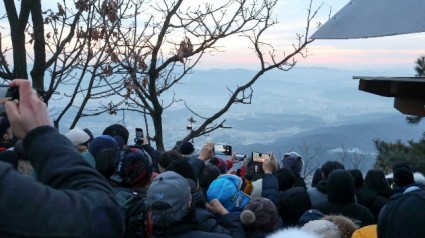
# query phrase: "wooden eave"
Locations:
[[408, 92]]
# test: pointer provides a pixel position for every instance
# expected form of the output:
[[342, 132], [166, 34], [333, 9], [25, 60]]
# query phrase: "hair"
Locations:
[[183, 168], [286, 178], [357, 176], [330, 166], [166, 157], [208, 175], [117, 130], [105, 161], [317, 177]]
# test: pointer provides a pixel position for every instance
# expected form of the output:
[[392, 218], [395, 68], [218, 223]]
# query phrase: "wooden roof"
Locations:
[[408, 92]]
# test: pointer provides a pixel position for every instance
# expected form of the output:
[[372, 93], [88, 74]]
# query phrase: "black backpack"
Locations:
[[135, 210]]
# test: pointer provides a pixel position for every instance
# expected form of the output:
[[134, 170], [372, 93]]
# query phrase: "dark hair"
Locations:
[[330, 166], [357, 176], [105, 161], [117, 130], [208, 175], [375, 179], [183, 168], [286, 178], [317, 177], [166, 157]]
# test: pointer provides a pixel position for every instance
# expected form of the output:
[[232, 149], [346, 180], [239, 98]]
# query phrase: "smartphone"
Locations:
[[240, 157], [259, 157], [139, 136], [222, 149], [139, 133], [8, 93]]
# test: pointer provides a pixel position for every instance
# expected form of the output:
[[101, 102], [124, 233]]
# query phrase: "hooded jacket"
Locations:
[[341, 199], [375, 179], [292, 205], [319, 193]]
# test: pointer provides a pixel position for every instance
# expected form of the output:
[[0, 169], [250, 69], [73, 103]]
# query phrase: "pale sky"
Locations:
[[360, 54], [391, 52]]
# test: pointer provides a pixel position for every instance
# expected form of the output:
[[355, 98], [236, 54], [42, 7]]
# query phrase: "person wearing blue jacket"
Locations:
[[70, 199]]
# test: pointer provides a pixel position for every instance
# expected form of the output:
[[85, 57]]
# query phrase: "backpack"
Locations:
[[135, 210]]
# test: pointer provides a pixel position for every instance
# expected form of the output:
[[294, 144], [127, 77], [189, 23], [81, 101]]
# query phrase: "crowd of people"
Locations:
[[78, 184]]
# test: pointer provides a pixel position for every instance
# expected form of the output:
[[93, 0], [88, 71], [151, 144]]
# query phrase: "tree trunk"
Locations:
[[37, 73]]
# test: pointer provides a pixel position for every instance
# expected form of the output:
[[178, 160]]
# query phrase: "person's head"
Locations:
[[169, 199], [259, 214], [317, 176], [293, 161], [341, 187], [102, 142], [330, 166], [403, 216], [345, 225], [227, 190], [183, 168], [322, 228], [208, 175], [105, 161], [357, 176], [286, 178], [79, 138], [400, 164], [133, 167], [310, 215], [375, 179], [403, 177], [221, 165], [186, 148], [166, 157], [117, 129], [293, 204]]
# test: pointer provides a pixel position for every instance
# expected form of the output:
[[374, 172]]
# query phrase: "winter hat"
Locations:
[[257, 188], [133, 167], [292, 205], [259, 213], [310, 215], [324, 228], [403, 176], [345, 225], [117, 129], [120, 141], [77, 136], [286, 178], [227, 189], [341, 187], [186, 148], [102, 142], [89, 133], [293, 233], [168, 198], [219, 163], [403, 216], [293, 161]]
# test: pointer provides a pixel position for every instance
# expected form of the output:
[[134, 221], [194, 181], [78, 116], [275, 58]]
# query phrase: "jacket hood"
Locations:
[[376, 180], [340, 187]]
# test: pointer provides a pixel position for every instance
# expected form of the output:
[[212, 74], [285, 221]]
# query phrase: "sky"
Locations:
[[391, 52]]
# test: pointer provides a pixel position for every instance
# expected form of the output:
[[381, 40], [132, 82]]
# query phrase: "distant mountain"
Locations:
[[303, 105]]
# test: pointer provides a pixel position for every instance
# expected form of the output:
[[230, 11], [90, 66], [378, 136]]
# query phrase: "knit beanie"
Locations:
[[260, 213], [293, 161], [102, 142]]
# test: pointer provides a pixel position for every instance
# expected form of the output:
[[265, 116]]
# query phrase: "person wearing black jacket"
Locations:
[[71, 199], [341, 199]]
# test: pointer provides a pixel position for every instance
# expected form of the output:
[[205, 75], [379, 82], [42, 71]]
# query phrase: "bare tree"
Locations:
[[172, 40], [122, 55], [312, 155], [353, 159]]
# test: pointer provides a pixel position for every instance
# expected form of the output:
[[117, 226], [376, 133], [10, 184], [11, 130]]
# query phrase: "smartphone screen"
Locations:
[[223, 149], [7, 93], [259, 157]]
